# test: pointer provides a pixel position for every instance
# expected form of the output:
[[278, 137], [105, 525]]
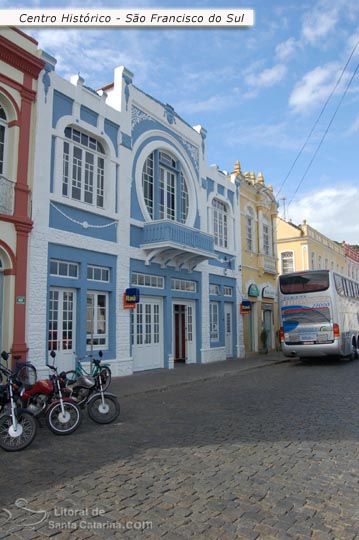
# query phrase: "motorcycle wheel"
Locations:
[[105, 374], [63, 424], [103, 413], [11, 440]]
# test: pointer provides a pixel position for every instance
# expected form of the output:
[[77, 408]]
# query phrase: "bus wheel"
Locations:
[[354, 353]]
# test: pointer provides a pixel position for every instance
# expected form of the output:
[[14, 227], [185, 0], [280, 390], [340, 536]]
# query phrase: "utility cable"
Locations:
[[317, 120], [324, 135]]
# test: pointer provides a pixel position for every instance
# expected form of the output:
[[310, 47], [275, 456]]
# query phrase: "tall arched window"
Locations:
[[287, 262], [165, 190], [250, 229], [83, 168], [220, 223], [266, 237], [3, 126]]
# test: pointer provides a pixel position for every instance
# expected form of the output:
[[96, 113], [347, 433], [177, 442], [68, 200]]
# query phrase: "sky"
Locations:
[[281, 96]]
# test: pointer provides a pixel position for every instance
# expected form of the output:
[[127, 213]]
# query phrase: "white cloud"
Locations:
[[319, 22], [332, 211], [286, 49], [314, 88], [266, 78]]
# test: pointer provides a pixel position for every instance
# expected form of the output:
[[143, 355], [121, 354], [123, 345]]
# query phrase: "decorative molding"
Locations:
[[138, 116], [169, 114]]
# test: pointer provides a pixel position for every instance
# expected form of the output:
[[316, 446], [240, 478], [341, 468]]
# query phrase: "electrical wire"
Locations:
[[317, 120], [324, 134]]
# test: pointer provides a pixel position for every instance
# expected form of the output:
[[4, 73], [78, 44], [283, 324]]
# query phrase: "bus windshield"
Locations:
[[304, 282]]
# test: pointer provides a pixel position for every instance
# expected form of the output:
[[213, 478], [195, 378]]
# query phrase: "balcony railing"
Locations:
[[6, 196], [175, 234], [269, 264]]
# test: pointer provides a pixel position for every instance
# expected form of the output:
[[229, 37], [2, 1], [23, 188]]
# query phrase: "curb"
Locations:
[[206, 377]]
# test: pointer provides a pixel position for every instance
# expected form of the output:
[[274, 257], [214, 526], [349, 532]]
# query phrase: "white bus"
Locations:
[[319, 314]]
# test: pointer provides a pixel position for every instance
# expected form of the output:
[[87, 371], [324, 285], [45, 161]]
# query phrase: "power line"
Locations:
[[324, 135], [317, 120]]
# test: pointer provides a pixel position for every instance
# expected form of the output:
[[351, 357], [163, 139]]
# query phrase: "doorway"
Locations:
[[61, 336], [184, 344]]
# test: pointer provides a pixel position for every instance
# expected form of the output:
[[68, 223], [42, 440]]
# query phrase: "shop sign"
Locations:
[[253, 290], [130, 298], [268, 292], [245, 306]]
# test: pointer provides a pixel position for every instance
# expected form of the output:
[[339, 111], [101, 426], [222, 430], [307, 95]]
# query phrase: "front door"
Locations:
[[61, 336], [147, 334], [184, 343], [267, 324], [228, 329]]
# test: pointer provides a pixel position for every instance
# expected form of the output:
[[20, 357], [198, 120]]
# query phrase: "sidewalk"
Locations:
[[158, 379]]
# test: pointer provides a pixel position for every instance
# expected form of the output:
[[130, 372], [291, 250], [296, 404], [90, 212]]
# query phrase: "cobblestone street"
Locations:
[[270, 453]]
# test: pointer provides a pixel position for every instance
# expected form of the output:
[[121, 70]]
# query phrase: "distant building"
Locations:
[[301, 247], [259, 260], [351, 261], [20, 67]]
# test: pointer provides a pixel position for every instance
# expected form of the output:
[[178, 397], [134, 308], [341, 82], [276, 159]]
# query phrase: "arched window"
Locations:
[[83, 168], [165, 190], [266, 237], [250, 229], [220, 223], [287, 262], [3, 126]]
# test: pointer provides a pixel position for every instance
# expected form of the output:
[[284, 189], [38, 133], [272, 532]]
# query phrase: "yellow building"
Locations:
[[259, 261], [300, 247]]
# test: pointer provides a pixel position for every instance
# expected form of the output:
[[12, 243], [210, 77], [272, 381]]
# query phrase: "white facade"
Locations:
[[123, 199]]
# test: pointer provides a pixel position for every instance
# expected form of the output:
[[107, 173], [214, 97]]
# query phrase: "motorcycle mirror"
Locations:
[[52, 354], [100, 353], [5, 355]]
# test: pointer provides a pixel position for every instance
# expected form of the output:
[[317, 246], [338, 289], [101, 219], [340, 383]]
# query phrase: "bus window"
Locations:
[[304, 282], [339, 284]]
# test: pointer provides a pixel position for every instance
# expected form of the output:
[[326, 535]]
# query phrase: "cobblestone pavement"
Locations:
[[265, 454]]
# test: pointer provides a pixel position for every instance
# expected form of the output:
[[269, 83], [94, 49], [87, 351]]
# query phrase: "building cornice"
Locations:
[[19, 58]]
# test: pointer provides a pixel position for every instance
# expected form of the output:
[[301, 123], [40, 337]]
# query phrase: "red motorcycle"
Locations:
[[46, 398]]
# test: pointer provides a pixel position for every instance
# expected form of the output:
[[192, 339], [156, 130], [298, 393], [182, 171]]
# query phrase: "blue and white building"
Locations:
[[122, 199]]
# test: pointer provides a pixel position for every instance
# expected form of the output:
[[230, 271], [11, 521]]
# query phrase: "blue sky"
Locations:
[[258, 91]]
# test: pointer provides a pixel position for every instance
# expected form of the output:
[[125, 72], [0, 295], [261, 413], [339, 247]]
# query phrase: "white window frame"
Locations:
[[214, 289], [185, 285], [266, 230], [101, 338], [66, 265], [227, 291], [140, 279], [220, 223], [162, 194], [214, 321], [104, 272], [83, 168], [284, 256], [250, 229]]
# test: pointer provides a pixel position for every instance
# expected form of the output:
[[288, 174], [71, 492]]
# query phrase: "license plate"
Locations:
[[322, 338]]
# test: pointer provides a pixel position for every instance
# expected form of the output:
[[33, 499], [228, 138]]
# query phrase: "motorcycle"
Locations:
[[102, 407], [17, 426], [46, 398]]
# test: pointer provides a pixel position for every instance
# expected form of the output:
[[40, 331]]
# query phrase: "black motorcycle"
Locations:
[[17, 426], [102, 407]]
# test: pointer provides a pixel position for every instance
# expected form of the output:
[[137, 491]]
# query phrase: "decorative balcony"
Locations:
[[172, 244], [6, 196], [268, 264]]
